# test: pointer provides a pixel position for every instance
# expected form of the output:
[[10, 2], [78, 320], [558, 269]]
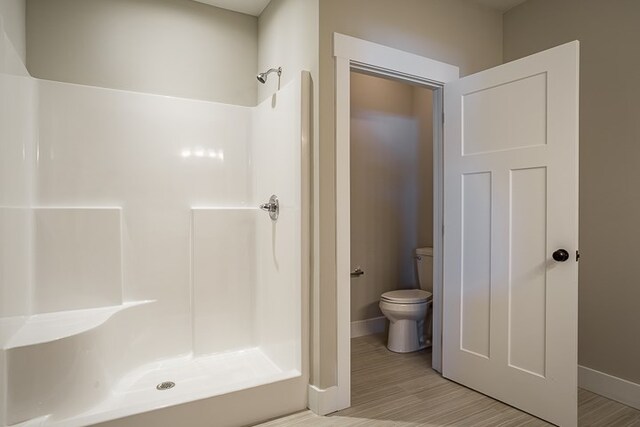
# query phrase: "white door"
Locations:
[[511, 202]]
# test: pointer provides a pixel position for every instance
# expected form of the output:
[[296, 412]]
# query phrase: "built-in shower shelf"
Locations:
[[24, 331]]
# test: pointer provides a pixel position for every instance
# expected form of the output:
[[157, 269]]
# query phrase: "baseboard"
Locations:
[[323, 401], [609, 386], [375, 325]]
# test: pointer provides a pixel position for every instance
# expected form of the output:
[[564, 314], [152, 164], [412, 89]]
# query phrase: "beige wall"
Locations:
[[609, 165], [391, 187], [459, 32], [287, 38], [168, 47], [423, 110], [13, 15]]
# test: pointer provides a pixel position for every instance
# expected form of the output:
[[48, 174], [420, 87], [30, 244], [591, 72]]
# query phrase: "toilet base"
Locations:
[[408, 335], [403, 336]]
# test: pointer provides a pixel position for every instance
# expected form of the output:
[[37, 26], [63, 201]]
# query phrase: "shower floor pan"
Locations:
[[195, 378], [95, 379]]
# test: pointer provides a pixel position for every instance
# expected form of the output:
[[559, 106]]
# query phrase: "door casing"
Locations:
[[371, 58]]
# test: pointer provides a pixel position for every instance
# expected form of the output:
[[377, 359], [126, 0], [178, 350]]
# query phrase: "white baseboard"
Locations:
[[609, 386], [323, 401], [375, 325]]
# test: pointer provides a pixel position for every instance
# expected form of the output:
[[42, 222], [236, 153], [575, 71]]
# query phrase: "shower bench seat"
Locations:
[[22, 331], [88, 343]]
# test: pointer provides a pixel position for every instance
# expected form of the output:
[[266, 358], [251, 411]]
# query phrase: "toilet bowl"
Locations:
[[408, 309]]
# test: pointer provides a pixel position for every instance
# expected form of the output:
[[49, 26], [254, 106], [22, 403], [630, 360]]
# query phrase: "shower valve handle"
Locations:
[[269, 207], [273, 207]]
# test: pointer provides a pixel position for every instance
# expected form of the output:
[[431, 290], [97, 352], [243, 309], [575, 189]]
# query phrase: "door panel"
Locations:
[[527, 278], [521, 104], [511, 200], [476, 270]]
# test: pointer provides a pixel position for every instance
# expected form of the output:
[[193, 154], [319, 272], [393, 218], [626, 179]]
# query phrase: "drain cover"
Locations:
[[165, 385]]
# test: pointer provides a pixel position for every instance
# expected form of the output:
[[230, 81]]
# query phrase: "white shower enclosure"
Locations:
[[137, 271]]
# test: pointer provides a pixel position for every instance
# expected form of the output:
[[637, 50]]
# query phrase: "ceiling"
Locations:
[[501, 5], [255, 7], [250, 7]]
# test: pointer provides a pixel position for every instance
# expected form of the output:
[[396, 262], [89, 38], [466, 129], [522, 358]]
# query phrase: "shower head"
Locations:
[[262, 77]]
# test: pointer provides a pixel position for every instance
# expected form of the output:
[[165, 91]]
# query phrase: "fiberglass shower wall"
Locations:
[[148, 248], [18, 109], [147, 160]]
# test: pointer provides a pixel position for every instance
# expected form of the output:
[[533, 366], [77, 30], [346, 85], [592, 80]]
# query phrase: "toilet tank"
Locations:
[[424, 263]]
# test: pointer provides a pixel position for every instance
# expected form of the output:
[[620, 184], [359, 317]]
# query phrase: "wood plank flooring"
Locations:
[[390, 389]]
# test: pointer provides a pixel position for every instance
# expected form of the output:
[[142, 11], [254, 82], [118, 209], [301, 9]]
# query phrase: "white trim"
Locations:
[[343, 232], [377, 59], [361, 328], [397, 61], [611, 387], [322, 401]]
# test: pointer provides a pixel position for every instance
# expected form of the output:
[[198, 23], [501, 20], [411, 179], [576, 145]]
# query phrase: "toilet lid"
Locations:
[[407, 296]]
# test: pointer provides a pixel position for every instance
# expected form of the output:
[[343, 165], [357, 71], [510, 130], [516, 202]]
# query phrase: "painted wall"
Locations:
[[13, 13], [391, 187], [459, 32], [287, 38], [166, 47], [609, 158]]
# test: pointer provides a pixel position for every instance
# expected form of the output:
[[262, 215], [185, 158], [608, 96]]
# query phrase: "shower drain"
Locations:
[[166, 385]]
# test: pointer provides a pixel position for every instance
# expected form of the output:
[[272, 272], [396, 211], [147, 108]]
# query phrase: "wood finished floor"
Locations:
[[402, 390]]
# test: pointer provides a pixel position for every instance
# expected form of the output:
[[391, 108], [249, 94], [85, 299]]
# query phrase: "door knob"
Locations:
[[561, 255], [357, 272]]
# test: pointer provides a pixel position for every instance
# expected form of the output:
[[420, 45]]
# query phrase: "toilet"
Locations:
[[408, 309]]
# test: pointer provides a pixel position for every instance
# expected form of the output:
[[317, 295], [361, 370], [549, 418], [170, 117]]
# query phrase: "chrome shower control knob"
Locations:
[[273, 207], [269, 207]]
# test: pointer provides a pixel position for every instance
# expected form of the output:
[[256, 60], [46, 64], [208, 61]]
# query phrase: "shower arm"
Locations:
[[262, 77]]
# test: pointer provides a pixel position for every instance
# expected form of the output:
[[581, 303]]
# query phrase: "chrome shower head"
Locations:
[[262, 77]]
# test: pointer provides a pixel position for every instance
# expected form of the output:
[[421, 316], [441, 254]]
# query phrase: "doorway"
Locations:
[[392, 203], [389, 63]]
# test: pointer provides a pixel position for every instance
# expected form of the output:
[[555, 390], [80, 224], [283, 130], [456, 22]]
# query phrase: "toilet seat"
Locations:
[[406, 296]]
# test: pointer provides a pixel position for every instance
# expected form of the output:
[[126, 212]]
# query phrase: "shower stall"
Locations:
[[137, 270]]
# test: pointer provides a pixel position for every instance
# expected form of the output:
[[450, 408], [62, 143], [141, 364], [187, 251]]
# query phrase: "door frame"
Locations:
[[353, 54]]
